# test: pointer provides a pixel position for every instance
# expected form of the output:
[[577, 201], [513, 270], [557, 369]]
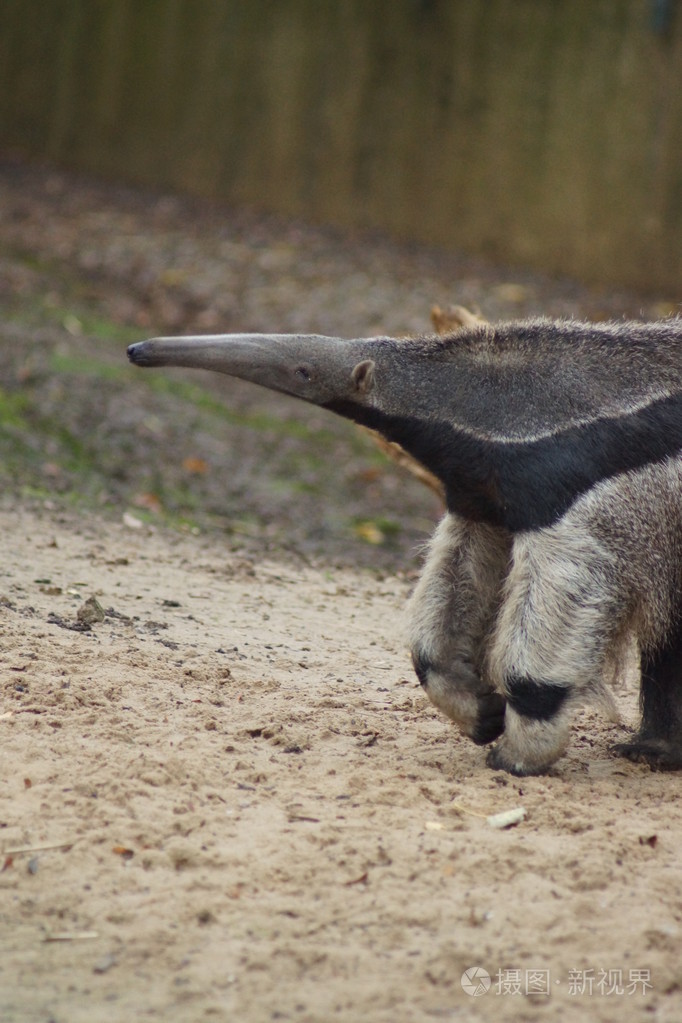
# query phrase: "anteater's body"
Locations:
[[559, 447]]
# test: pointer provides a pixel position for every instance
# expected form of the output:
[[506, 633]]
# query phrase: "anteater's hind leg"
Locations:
[[451, 615], [659, 740]]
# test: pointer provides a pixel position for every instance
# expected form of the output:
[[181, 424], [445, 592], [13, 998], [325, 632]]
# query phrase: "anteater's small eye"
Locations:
[[304, 373]]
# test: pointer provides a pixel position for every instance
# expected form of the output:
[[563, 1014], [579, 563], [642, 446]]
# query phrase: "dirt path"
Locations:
[[234, 801], [263, 819]]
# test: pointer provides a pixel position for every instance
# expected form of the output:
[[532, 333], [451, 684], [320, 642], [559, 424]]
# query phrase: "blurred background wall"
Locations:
[[542, 132]]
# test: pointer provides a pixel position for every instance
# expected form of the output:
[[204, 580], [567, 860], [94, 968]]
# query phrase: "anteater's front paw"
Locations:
[[499, 761], [490, 719], [502, 758], [529, 746]]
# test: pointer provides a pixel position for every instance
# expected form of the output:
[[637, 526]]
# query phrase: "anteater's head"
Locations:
[[405, 389], [330, 372]]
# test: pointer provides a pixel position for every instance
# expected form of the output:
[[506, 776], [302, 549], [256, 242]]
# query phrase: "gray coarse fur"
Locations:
[[558, 444], [511, 381]]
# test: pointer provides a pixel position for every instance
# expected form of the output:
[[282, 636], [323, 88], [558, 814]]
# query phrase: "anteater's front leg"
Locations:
[[554, 634], [451, 614]]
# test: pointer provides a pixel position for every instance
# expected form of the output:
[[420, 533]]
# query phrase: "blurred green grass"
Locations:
[[81, 427]]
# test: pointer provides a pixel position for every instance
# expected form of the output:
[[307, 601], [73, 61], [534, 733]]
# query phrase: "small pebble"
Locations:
[[90, 612], [105, 963]]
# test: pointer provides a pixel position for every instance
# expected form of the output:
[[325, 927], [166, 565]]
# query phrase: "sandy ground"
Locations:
[[229, 800]]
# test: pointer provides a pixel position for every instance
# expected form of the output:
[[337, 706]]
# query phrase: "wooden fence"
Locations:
[[546, 132]]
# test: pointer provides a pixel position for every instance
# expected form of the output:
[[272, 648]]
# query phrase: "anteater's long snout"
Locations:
[[226, 353], [315, 368], [141, 353]]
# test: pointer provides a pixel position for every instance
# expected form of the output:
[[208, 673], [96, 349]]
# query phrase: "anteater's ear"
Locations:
[[363, 376]]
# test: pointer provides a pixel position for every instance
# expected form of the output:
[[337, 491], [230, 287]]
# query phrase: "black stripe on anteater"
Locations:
[[530, 484], [537, 700]]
